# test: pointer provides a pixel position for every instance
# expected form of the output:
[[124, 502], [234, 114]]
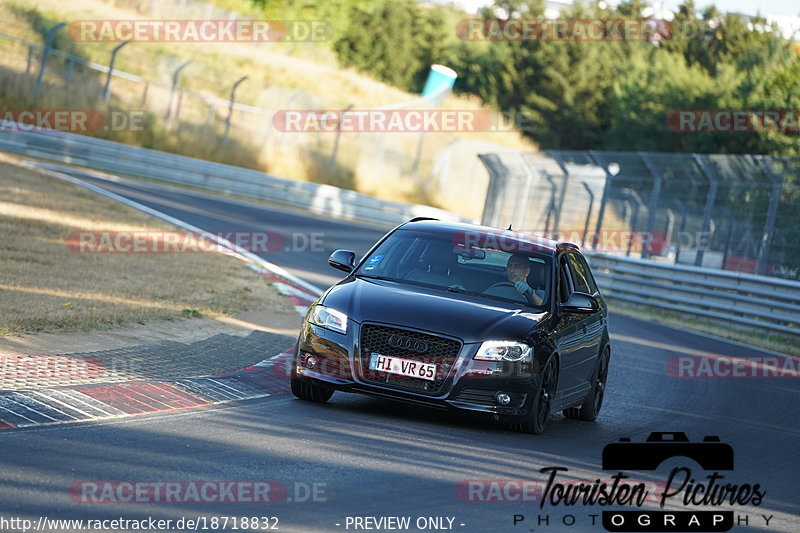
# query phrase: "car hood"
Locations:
[[471, 318]]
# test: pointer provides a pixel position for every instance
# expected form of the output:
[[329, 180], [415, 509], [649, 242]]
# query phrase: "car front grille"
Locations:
[[440, 351]]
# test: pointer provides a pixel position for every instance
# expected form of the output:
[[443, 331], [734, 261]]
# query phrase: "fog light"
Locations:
[[502, 398], [311, 361]]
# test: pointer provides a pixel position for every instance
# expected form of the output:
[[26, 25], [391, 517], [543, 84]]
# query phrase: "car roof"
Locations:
[[439, 226]]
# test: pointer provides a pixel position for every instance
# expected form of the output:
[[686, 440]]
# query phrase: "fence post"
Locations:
[[68, 75], [638, 204], [654, 196], [606, 190], [588, 212], [30, 59], [769, 225], [682, 208], [713, 180], [498, 174], [175, 75], [557, 157], [111, 69], [230, 107], [48, 43], [551, 206], [333, 163]]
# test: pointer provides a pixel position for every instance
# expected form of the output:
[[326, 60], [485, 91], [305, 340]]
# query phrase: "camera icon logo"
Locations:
[[711, 454]]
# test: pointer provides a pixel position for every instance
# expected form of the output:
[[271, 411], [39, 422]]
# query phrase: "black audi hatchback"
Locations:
[[461, 317]]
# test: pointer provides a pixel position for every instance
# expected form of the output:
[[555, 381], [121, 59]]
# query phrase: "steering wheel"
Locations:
[[502, 284], [505, 289]]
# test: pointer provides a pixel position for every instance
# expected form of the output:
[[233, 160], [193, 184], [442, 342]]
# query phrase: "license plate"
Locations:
[[402, 367]]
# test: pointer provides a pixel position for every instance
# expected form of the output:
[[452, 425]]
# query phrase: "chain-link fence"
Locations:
[[401, 165], [732, 212]]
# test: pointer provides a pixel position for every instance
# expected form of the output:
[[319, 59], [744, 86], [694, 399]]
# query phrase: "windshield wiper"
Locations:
[[465, 291]]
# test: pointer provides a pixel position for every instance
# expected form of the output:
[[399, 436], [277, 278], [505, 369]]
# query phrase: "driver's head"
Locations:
[[518, 268]]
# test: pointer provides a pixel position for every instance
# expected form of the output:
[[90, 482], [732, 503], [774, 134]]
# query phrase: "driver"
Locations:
[[517, 270]]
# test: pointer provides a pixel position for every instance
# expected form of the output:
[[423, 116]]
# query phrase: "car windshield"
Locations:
[[483, 266]]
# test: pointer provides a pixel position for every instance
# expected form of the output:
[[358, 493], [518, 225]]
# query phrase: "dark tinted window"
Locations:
[[581, 276], [444, 261], [563, 284]]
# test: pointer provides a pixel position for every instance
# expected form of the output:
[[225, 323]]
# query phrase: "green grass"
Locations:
[[783, 343]]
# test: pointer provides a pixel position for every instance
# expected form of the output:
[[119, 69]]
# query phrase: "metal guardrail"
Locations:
[[747, 299], [750, 300], [119, 158]]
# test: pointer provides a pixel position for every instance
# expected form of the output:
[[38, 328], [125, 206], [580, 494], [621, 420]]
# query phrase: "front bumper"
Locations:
[[470, 385]]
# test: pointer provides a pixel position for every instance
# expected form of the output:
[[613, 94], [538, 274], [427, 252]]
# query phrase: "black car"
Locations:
[[434, 315]]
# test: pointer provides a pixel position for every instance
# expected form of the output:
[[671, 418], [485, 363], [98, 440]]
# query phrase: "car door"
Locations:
[[592, 325], [569, 335]]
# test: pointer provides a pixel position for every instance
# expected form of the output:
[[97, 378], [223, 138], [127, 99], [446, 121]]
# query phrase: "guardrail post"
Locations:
[[606, 190], [654, 195], [230, 107], [713, 180], [111, 70], [769, 224], [48, 43], [175, 75]]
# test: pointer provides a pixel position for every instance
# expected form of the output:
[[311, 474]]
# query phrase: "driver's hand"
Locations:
[[523, 288]]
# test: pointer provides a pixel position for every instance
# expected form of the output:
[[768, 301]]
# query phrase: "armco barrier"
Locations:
[[753, 301], [119, 158]]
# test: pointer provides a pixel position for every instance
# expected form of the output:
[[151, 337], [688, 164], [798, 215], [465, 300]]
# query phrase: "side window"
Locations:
[[588, 274], [564, 284], [580, 274]]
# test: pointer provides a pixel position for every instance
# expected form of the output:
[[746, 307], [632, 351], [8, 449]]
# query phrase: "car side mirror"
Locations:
[[580, 302], [343, 260]]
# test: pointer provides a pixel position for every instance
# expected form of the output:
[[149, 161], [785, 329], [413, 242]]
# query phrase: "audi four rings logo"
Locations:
[[407, 343]]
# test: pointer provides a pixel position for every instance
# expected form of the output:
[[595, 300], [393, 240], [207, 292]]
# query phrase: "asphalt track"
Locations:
[[375, 458]]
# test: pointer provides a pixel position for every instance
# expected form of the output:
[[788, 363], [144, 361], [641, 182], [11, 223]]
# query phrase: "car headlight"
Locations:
[[504, 351], [328, 318]]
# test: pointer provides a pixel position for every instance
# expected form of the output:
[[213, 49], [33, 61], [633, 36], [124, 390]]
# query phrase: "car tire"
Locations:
[[591, 406], [542, 403], [307, 390]]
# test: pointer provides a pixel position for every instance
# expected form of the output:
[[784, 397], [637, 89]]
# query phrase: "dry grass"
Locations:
[[45, 286], [276, 72]]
